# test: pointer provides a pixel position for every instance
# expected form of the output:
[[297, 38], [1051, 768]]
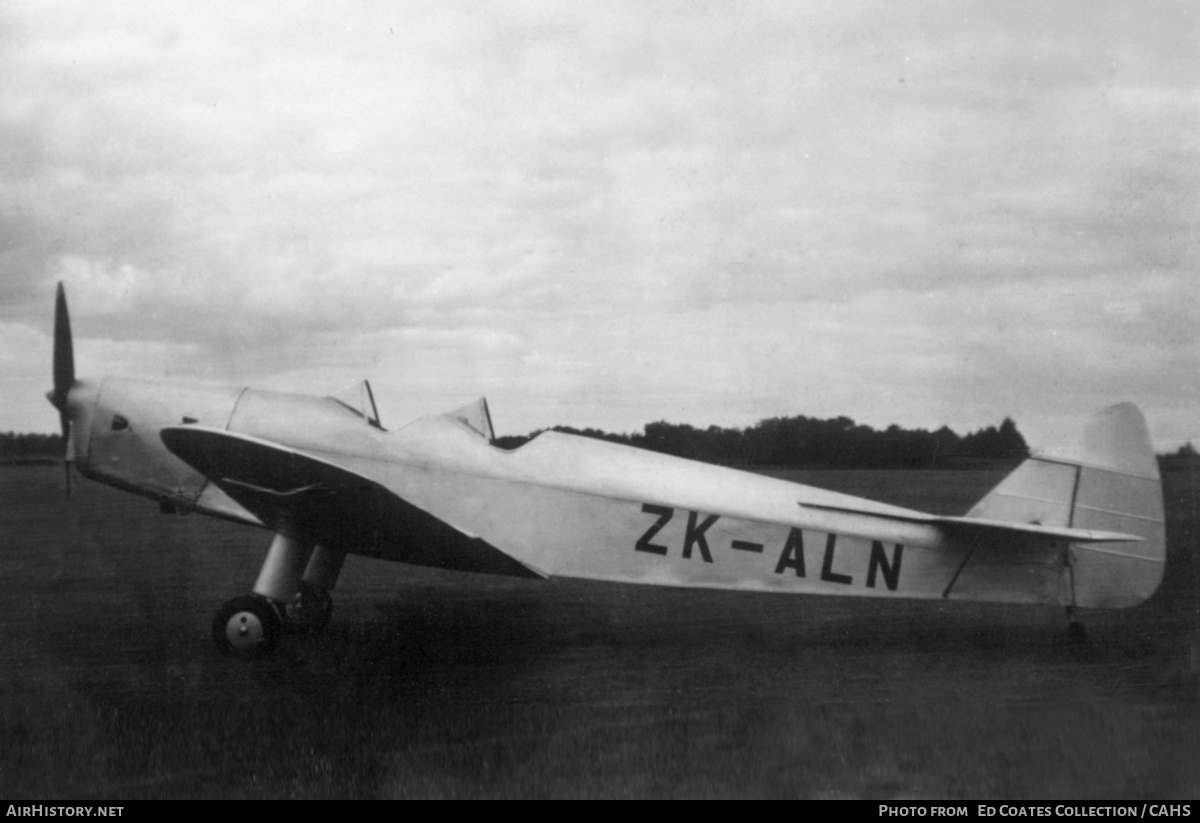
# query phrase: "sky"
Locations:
[[607, 214]]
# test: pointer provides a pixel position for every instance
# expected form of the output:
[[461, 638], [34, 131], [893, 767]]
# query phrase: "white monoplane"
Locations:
[[324, 476]]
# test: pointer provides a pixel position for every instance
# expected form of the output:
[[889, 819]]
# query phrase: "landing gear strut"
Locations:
[[251, 626]]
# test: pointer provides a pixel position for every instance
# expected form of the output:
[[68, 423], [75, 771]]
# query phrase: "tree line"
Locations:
[[29, 448], [790, 441], [805, 441], [1185, 458]]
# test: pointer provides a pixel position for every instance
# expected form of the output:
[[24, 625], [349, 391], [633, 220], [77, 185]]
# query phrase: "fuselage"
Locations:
[[562, 505]]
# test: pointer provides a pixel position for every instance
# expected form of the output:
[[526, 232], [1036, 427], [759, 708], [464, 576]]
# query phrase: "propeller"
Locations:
[[64, 374]]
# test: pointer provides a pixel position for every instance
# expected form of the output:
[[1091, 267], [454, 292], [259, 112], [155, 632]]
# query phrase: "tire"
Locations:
[[310, 610]]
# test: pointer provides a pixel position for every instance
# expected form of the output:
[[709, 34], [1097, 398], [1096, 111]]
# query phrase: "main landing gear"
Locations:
[[310, 610], [292, 594]]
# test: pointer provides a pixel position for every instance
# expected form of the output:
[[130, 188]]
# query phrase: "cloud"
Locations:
[[617, 213]]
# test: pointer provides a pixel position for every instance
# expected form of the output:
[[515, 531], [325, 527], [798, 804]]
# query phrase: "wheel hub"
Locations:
[[244, 630]]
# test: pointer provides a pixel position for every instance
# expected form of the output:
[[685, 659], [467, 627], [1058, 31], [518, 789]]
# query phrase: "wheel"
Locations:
[[310, 610], [247, 626]]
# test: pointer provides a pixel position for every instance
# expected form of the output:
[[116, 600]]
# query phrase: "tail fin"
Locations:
[[1109, 483]]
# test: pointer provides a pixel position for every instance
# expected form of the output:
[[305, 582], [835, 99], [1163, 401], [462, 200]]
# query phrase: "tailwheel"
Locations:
[[1076, 633], [310, 610], [247, 626]]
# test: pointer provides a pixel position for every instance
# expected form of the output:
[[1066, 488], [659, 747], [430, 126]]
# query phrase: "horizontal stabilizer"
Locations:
[[963, 525]]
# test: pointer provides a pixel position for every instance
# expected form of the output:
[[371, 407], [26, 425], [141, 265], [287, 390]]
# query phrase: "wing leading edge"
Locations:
[[312, 499]]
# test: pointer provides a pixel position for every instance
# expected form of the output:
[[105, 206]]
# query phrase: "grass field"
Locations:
[[433, 684]]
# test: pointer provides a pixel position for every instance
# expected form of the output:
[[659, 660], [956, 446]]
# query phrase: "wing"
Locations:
[[315, 500]]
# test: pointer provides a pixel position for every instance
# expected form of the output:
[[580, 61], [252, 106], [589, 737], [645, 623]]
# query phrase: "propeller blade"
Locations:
[[64, 355], [64, 375]]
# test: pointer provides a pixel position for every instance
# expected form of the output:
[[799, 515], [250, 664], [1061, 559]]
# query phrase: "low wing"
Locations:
[[315, 500]]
